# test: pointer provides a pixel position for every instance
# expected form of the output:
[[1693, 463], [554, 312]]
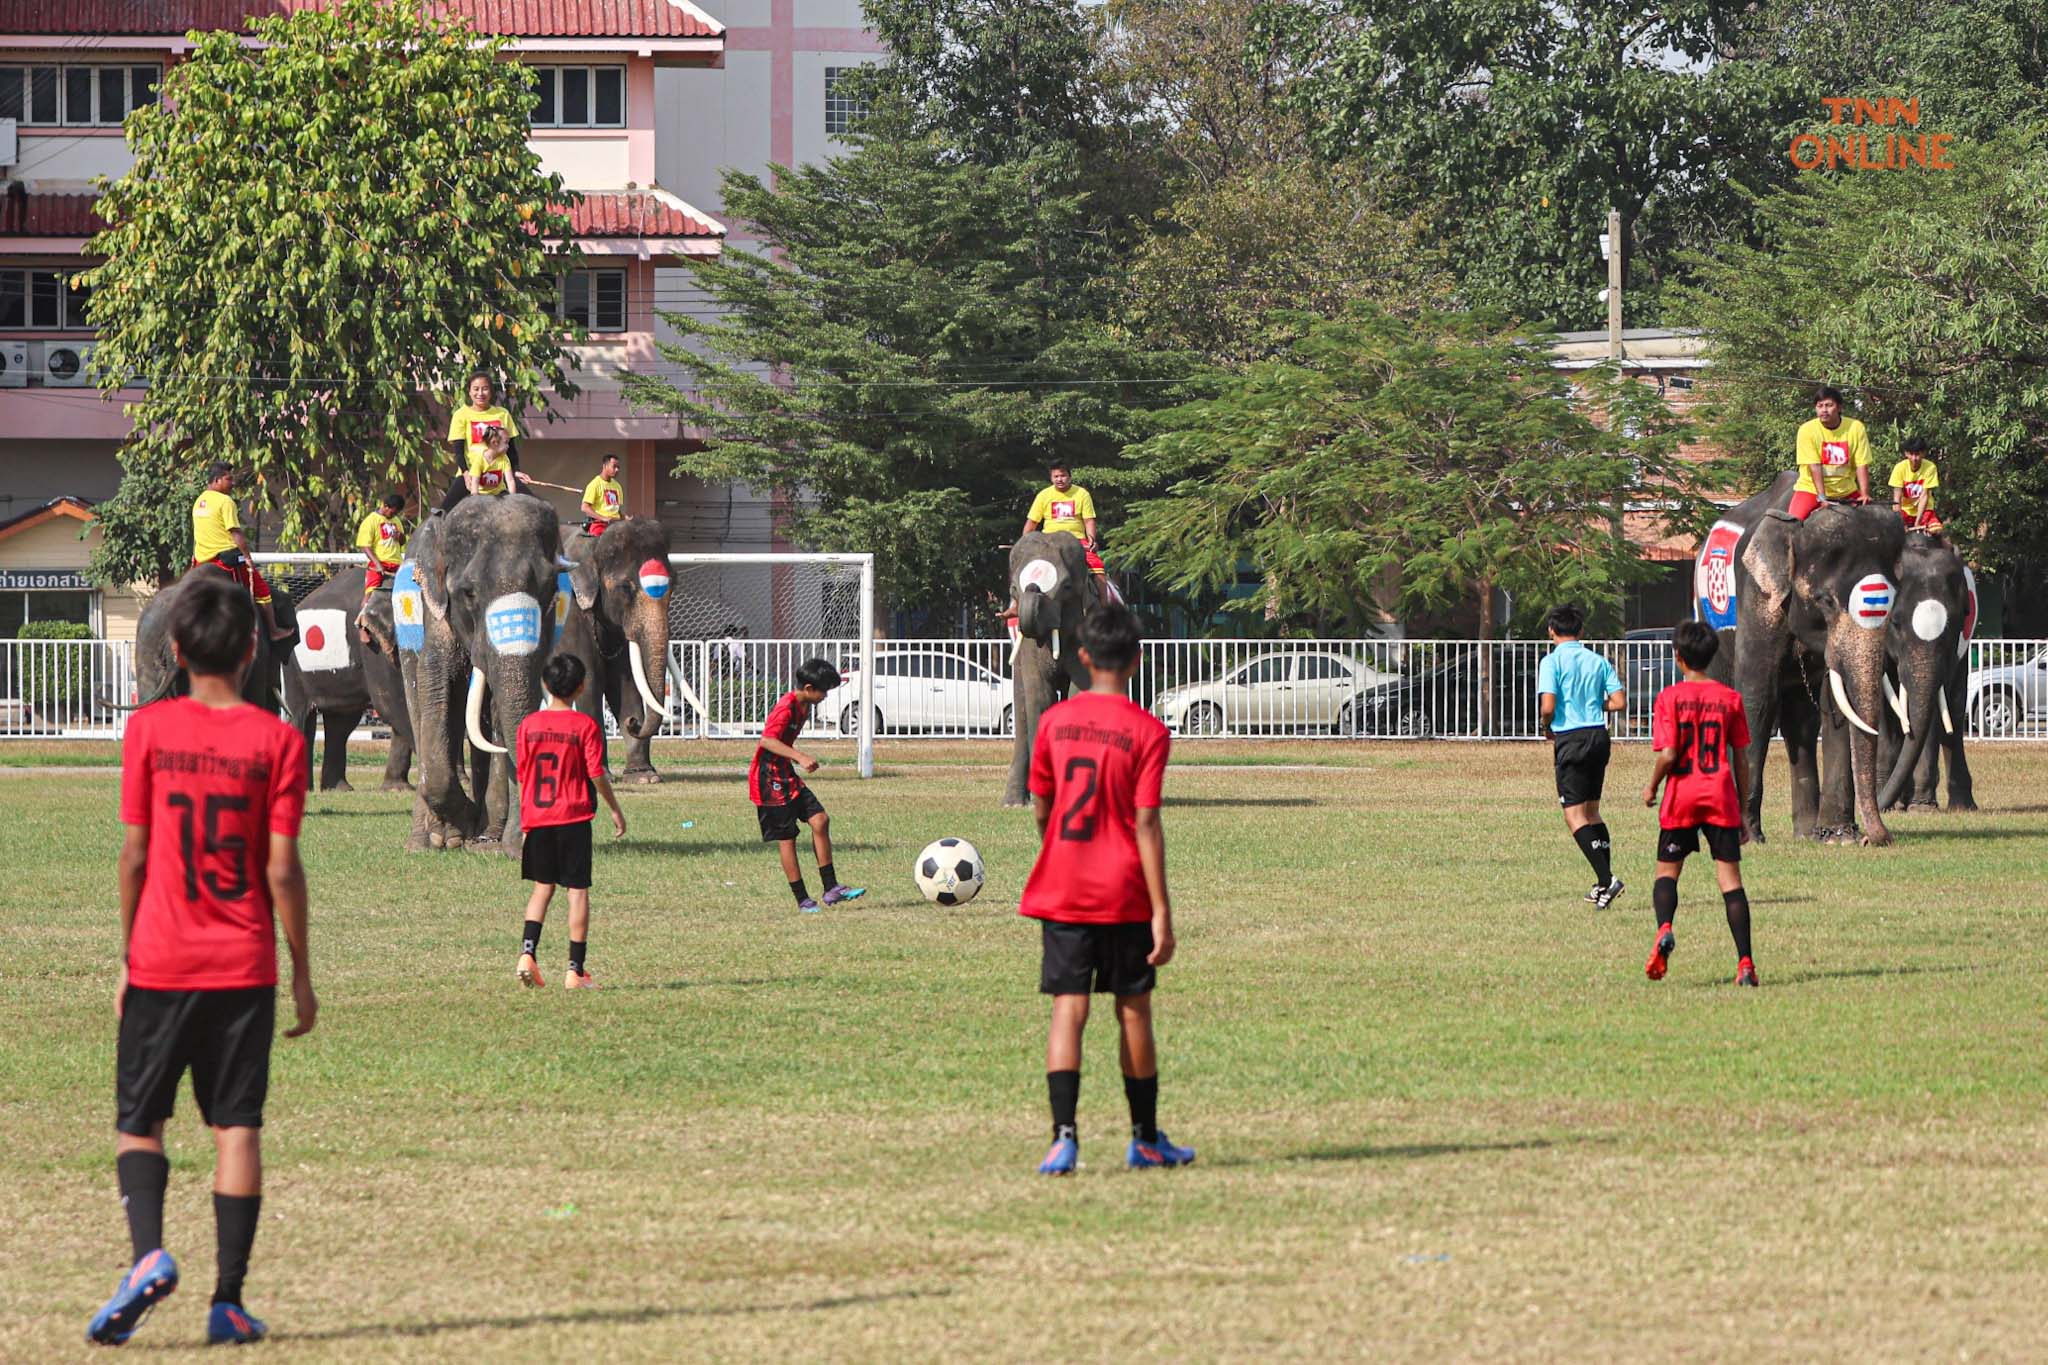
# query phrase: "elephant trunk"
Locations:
[[1856, 659], [1924, 699], [515, 693], [647, 655]]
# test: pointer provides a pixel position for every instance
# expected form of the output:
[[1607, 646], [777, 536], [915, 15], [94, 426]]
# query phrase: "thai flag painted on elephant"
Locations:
[[1713, 575], [1870, 602], [408, 617]]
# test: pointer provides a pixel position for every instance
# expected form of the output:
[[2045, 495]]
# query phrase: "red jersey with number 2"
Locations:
[[557, 753], [212, 785], [1705, 722], [1100, 759]]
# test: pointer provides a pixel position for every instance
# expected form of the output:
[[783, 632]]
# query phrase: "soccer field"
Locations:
[[1439, 1111]]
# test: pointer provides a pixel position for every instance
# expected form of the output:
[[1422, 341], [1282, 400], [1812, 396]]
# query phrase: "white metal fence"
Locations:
[[953, 689]]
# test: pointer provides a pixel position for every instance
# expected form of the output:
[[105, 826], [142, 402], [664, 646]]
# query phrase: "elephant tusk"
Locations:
[[473, 714], [1055, 642], [654, 708], [563, 561], [1842, 702], [1948, 725], [1898, 705]]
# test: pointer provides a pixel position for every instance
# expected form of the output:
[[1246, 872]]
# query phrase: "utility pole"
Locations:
[[1612, 242]]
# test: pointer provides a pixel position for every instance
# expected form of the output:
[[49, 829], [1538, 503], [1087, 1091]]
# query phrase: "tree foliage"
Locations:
[[319, 232], [1390, 464]]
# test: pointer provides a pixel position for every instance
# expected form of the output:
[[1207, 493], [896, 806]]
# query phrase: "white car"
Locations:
[[919, 689], [2003, 700], [1293, 690]]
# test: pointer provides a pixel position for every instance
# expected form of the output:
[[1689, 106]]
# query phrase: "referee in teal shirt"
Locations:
[[1575, 690]]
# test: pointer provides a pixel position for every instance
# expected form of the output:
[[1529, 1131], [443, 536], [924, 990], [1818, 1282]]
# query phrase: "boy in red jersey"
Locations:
[[1702, 739], [560, 756], [212, 790], [1099, 885], [782, 801]]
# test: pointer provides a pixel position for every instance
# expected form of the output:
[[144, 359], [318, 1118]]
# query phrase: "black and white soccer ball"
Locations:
[[949, 871]]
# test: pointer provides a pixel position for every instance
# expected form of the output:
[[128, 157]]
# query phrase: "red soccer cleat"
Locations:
[[1745, 973], [1660, 956]]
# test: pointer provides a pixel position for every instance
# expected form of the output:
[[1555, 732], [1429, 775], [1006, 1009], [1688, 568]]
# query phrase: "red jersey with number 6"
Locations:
[[557, 753], [1705, 722], [1099, 759], [211, 785]]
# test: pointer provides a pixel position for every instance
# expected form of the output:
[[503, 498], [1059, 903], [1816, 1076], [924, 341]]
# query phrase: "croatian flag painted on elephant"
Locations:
[[407, 616], [1970, 616], [1713, 575]]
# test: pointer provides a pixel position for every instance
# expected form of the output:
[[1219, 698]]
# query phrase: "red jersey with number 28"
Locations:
[[1099, 759], [1705, 722], [212, 785], [772, 779], [557, 752]]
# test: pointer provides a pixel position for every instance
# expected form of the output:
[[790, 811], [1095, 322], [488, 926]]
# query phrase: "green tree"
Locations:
[[320, 232], [1397, 465], [1925, 296]]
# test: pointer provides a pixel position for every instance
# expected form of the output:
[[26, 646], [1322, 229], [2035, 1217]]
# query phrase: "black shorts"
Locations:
[[780, 822], [1723, 841], [223, 1036], [1581, 758], [557, 855], [1080, 959]]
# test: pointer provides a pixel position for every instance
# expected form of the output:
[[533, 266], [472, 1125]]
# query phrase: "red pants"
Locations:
[[1803, 503], [236, 566], [374, 579], [1929, 522]]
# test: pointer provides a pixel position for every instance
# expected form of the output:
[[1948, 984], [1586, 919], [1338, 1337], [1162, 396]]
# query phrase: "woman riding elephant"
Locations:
[[617, 623], [1051, 583]]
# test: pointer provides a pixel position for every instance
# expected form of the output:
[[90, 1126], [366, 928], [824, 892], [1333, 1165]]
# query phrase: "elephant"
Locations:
[[1053, 588], [157, 674], [1801, 609], [1928, 640], [470, 613], [617, 623], [333, 676]]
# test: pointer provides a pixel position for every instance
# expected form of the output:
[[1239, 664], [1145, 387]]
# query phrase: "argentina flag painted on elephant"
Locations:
[[408, 618], [560, 614]]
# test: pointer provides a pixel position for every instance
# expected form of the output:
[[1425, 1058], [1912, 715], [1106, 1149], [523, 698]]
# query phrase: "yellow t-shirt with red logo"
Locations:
[[472, 427], [1913, 484], [1836, 455], [214, 522], [1057, 511], [606, 497], [382, 536]]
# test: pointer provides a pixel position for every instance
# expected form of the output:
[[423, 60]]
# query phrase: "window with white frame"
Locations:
[[75, 96], [594, 298], [580, 97], [844, 106], [42, 300]]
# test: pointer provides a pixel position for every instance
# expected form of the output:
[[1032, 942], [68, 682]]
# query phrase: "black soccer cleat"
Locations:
[[1608, 894]]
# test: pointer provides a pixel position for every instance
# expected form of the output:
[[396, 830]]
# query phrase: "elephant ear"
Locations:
[[584, 582], [431, 571], [1768, 557]]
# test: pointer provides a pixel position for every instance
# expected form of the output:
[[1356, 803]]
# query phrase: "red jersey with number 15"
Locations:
[[1100, 759], [557, 753], [1705, 722], [211, 785]]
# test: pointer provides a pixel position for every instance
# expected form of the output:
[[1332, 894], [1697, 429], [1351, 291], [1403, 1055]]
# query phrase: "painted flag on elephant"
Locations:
[[1870, 602], [323, 640], [407, 616], [654, 579], [561, 612], [1969, 616], [1714, 575]]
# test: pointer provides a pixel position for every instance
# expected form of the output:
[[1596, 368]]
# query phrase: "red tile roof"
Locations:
[[638, 213], [514, 18], [47, 215]]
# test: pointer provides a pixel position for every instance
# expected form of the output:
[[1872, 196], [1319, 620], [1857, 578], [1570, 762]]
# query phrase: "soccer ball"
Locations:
[[949, 871]]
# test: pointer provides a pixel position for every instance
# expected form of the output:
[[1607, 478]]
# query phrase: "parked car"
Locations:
[[2004, 698], [1648, 666], [1444, 700], [923, 689], [1295, 690]]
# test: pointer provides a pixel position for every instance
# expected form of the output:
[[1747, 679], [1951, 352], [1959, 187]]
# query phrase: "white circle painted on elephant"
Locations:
[[1041, 574], [1930, 619], [513, 623]]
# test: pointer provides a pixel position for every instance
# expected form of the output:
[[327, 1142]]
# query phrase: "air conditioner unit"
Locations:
[[10, 142], [13, 364], [67, 364]]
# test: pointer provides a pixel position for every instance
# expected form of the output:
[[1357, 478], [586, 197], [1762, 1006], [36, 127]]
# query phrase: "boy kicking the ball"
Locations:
[[1701, 734], [212, 790], [1099, 885], [560, 758], [781, 799]]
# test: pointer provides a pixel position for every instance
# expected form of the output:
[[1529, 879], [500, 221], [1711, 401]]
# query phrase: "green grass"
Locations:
[[1440, 1112]]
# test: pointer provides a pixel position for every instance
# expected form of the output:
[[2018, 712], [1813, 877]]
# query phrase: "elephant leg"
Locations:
[[1962, 790], [1033, 684], [398, 763], [334, 761], [424, 833], [1799, 720], [1926, 778], [305, 719]]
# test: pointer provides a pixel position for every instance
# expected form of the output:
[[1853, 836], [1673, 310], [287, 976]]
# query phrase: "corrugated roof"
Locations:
[[47, 215], [513, 18], [639, 213]]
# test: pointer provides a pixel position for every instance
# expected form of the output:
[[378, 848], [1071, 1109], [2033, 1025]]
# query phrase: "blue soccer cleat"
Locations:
[[148, 1282], [1161, 1152], [229, 1324], [844, 893], [1064, 1156]]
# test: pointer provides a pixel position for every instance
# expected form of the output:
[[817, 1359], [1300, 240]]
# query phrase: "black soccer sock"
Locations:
[[143, 1176], [1737, 902], [1664, 900], [827, 878], [1594, 843], [796, 888], [529, 939], [1143, 1094], [1064, 1089], [576, 956], [234, 1223]]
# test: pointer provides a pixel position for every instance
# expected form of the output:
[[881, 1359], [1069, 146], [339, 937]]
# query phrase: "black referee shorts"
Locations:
[[223, 1036], [1082, 959], [1581, 759]]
